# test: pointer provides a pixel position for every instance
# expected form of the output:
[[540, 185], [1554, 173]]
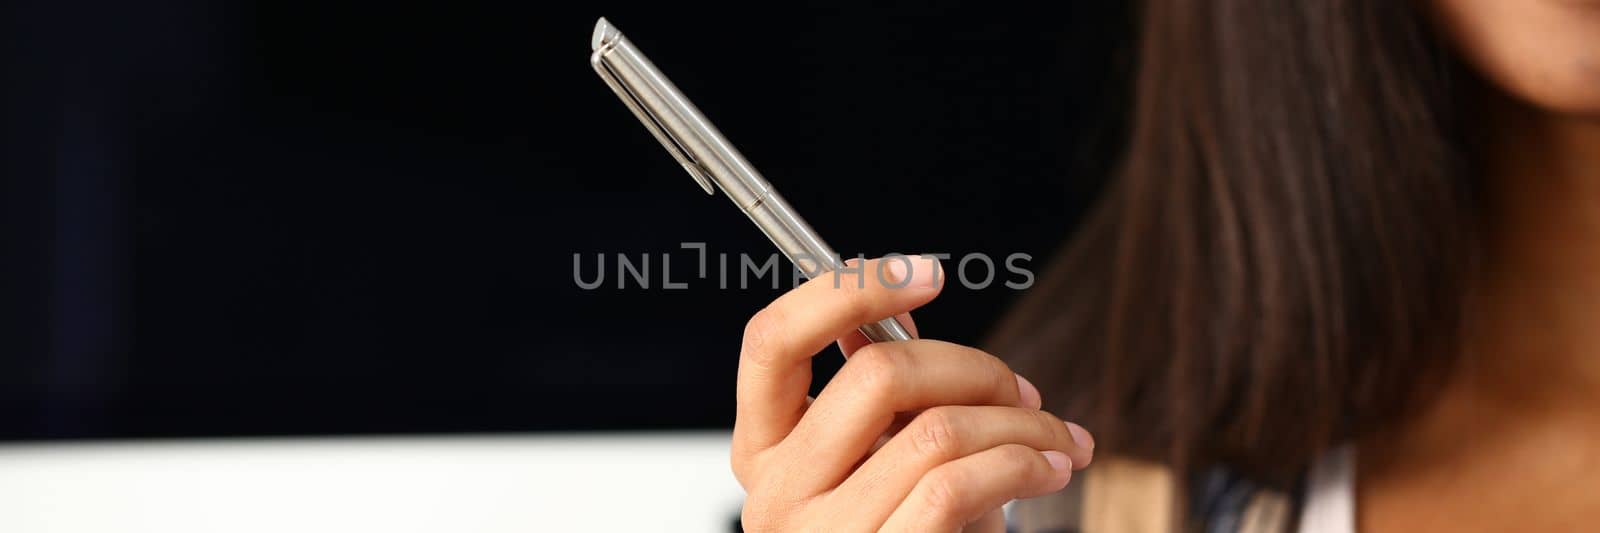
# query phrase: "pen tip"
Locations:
[[603, 33]]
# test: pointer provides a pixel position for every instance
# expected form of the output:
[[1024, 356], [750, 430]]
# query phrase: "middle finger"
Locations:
[[883, 379]]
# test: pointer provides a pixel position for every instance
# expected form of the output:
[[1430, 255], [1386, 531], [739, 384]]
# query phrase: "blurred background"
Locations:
[[237, 223]]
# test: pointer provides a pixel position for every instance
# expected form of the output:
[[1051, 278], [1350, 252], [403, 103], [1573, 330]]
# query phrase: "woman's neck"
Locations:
[[1533, 316], [1516, 426]]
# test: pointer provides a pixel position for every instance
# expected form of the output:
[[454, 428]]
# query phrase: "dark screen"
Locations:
[[233, 218]]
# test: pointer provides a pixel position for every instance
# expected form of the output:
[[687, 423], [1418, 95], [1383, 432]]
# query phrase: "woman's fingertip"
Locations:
[[1081, 436], [1061, 466], [899, 269], [910, 272], [1027, 394], [1059, 462]]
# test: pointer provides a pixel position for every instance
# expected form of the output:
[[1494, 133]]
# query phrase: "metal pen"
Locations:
[[711, 159]]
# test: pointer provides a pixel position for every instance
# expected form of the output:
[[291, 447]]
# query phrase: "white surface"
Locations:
[[622, 482]]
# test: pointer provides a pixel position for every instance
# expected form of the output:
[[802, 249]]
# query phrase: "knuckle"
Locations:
[[1049, 425], [852, 288], [757, 515], [943, 490], [935, 433], [1023, 464], [998, 374], [761, 333], [1020, 459], [877, 367], [765, 509], [862, 297]]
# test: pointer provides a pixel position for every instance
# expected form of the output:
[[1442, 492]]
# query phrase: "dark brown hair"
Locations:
[[1279, 262]]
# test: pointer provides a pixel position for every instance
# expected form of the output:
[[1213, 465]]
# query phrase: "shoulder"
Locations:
[[1121, 495]]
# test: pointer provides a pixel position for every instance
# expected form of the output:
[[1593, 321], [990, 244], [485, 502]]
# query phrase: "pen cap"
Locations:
[[677, 123]]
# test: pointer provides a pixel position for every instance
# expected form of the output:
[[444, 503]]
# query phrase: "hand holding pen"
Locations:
[[911, 434]]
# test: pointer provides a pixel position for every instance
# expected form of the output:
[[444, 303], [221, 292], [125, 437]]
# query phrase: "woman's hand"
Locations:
[[909, 436]]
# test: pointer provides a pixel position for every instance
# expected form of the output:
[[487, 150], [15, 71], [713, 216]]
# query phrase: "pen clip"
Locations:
[[671, 143]]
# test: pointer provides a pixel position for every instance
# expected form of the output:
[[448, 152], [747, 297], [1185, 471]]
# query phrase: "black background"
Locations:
[[233, 218]]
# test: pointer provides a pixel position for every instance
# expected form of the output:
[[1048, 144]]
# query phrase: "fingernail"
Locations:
[[897, 271], [912, 272], [1028, 394], [928, 271], [1080, 436], [1059, 462]]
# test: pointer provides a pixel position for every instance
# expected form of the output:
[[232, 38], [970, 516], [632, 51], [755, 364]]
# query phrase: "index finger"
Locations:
[[779, 341]]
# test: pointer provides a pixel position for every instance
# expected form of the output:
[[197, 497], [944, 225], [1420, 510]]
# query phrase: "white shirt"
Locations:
[[1330, 504]]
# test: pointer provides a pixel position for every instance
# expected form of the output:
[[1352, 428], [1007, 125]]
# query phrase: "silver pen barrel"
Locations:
[[712, 161]]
